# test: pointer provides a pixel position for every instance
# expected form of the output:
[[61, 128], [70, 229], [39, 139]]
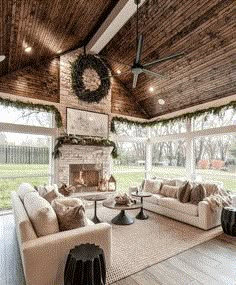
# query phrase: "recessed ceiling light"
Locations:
[[2, 57], [118, 71], [161, 101], [28, 49], [151, 89]]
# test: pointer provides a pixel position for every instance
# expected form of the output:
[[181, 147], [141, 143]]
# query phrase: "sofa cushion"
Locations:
[[169, 182], [152, 185], [24, 189], [184, 192], [41, 215], [176, 205], [169, 191], [198, 193], [154, 199], [70, 213]]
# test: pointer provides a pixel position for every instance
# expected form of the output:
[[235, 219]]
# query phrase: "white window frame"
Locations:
[[189, 136], [34, 130]]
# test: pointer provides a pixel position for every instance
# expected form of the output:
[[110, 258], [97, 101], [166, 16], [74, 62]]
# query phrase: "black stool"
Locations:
[[85, 265], [228, 220]]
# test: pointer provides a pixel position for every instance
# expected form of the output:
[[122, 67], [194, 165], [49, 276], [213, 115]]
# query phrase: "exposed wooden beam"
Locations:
[[122, 12]]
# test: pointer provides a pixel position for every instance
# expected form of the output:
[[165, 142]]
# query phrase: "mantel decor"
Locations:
[[87, 124], [76, 140], [36, 107], [206, 112], [78, 69]]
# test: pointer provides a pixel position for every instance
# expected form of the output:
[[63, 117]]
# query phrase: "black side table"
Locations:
[[94, 199], [85, 265], [228, 220]]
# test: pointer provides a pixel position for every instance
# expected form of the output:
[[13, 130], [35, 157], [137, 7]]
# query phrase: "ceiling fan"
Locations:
[[137, 68]]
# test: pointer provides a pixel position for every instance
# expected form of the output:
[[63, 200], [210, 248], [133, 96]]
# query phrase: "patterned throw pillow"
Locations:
[[152, 185], [184, 192], [198, 193], [70, 213], [169, 191]]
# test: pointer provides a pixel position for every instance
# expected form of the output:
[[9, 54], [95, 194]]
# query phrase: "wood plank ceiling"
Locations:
[[204, 29], [47, 26]]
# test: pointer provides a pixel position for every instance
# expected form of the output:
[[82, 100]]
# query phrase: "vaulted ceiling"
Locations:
[[48, 26], [204, 29]]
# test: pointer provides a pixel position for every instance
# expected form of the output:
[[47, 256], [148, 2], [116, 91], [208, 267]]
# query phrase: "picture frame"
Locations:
[[87, 123]]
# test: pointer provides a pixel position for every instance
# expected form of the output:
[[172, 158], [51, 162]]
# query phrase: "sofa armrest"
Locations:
[[45, 257], [208, 217]]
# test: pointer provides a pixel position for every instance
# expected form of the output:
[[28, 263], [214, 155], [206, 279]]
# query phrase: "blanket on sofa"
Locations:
[[220, 199]]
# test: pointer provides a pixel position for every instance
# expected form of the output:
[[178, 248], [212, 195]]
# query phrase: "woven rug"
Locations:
[[146, 242]]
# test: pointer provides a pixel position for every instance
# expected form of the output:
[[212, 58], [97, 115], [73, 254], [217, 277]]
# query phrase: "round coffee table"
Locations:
[[122, 218], [94, 199], [141, 215]]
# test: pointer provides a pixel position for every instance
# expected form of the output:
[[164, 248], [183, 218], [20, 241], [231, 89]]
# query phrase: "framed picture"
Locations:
[[89, 124]]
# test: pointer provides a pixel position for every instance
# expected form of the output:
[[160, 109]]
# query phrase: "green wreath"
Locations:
[[83, 62]]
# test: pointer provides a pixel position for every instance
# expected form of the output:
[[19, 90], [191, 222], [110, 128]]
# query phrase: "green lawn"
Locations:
[[124, 180]]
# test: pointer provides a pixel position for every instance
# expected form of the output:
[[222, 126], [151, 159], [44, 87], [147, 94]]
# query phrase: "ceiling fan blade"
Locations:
[[164, 59], [116, 75], [153, 73], [135, 80], [114, 60], [139, 48]]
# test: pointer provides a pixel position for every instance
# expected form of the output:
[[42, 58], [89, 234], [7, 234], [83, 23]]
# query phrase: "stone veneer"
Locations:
[[77, 154]]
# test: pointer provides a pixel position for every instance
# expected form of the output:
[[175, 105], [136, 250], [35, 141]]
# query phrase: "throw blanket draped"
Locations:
[[220, 199]]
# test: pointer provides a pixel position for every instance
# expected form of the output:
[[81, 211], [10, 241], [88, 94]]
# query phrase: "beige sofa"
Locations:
[[44, 258], [200, 215]]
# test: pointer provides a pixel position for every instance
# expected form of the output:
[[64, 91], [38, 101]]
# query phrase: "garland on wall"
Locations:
[[206, 112], [89, 61], [31, 106], [76, 140]]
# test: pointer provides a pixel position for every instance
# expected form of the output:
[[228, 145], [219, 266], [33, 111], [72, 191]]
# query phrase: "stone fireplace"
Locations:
[[86, 165]]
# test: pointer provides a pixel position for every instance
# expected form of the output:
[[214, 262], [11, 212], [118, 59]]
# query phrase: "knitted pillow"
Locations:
[[169, 191], [70, 213], [24, 189], [184, 192], [198, 193]]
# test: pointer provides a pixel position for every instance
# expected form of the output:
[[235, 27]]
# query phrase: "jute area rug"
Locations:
[[146, 242]]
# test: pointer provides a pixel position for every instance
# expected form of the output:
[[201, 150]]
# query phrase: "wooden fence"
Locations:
[[23, 155]]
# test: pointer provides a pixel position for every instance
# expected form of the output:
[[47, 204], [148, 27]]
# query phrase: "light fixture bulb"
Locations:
[[28, 49], [59, 51], [2, 57], [151, 89], [161, 101], [118, 71]]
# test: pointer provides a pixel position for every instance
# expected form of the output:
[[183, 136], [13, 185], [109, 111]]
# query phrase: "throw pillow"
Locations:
[[169, 191], [24, 189], [70, 213], [43, 190], [67, 190], [211, 189], [184, 192], [152, 186], [50, 196], [41, 215], [198, 193], [169, 182]]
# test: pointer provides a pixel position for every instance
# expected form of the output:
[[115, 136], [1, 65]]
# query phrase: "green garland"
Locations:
[[206, 112], [40, 107], [78, 67], [76, 140]]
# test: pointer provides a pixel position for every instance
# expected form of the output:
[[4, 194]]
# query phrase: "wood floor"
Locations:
[[210, 263]]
